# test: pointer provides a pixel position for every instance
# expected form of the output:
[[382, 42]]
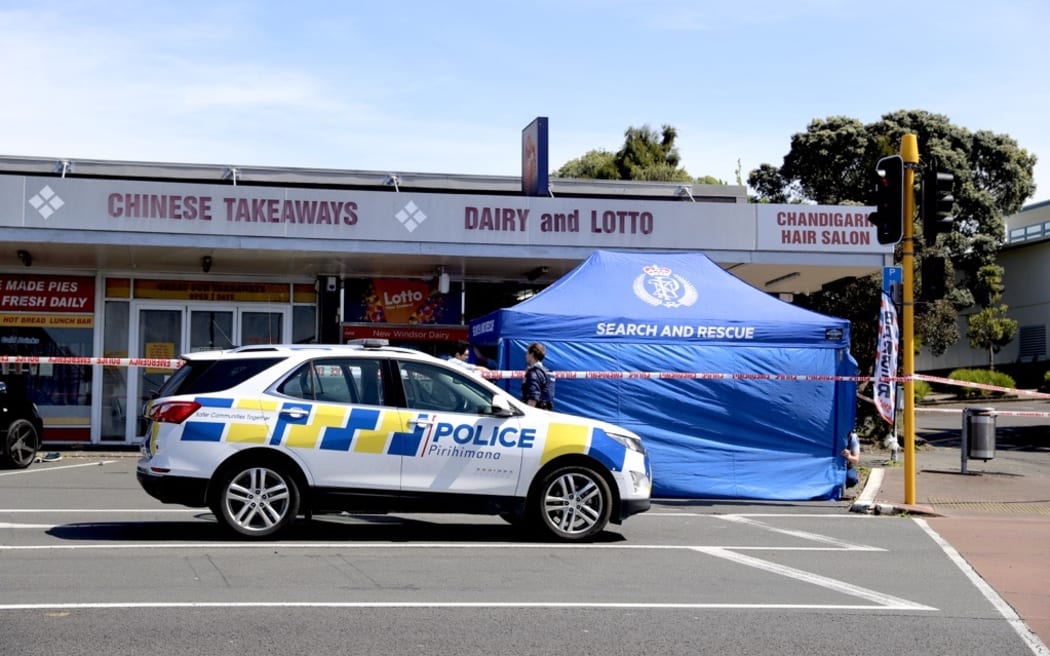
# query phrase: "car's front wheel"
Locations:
[[256, 501], [573, 503], [21, 444]]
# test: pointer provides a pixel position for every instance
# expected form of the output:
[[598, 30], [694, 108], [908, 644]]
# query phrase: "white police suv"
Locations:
[[262, 434]]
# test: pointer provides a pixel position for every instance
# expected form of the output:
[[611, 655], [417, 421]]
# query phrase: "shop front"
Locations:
[[73, 317]]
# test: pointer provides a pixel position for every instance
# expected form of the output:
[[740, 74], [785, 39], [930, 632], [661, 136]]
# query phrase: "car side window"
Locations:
[[336, 380], [430, 387]]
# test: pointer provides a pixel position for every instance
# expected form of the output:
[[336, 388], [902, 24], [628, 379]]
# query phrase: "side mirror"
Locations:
[[501, 407]]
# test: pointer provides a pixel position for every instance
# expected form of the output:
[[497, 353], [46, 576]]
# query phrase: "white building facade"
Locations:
[[150, 260]]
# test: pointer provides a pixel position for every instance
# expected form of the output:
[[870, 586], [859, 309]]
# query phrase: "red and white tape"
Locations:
[[165, 363], [994, 388], [674, 375], [159, 363]]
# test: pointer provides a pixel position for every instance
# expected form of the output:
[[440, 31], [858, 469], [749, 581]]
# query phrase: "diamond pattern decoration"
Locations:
[[411, 216], [46, 202]]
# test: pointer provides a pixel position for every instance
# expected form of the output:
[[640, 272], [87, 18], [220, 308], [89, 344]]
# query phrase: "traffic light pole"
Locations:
[[910, 155]]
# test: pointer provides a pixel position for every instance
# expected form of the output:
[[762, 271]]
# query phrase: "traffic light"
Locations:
[[889, 194], [933, 278], [937, 202]]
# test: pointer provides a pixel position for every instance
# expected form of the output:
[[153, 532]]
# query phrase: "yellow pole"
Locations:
[[910, 155]]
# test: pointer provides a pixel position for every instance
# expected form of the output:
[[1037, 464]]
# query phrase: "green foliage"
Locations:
[[711, 180], [832, 156], [833, 162], [771, 185], [984, 377], [988, 286], [594, 165], [857, 300], [1046, 380], [646, 155], [921, 389], [938, 329], [990, 329]]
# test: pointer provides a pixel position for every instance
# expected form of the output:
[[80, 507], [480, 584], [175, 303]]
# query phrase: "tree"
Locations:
[[646, 155], [990, 329], [851, 299], [594, 165], [833, 162]]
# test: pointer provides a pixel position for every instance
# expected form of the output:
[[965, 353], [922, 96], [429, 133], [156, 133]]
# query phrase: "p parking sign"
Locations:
[[892, 281]]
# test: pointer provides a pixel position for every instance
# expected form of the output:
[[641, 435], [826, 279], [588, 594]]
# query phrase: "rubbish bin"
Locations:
[[979, 432]]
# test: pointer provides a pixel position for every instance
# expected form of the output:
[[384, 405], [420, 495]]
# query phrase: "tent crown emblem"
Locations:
[[657, 270], [658, 286]]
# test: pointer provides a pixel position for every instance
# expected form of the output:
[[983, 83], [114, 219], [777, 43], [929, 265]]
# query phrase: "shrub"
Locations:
[[984, 377], [922, 388]]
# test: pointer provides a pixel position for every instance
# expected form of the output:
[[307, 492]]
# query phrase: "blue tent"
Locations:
[[721, 437]]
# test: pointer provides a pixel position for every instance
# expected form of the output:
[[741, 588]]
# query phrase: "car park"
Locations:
[[263, 434], [20, 426]]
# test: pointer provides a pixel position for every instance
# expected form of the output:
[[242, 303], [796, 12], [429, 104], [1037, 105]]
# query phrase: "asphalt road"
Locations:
[[90, 565]]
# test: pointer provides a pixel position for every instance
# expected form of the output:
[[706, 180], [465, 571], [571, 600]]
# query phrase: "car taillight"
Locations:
[[173, 412]]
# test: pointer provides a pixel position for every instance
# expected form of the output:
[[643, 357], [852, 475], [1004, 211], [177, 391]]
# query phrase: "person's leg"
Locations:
[[852, 478]]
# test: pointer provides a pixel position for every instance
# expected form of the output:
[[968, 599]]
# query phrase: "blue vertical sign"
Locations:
[[534, 151], [892, 281]]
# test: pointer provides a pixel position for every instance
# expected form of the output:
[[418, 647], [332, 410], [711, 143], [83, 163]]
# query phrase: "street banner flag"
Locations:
[[886, 360]]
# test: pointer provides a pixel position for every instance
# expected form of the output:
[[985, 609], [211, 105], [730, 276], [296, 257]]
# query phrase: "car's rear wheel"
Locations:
[[21, 444], [256, 501], [572, 503]]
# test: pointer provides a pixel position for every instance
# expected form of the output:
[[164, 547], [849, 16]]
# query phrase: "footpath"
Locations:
[[996, 516]]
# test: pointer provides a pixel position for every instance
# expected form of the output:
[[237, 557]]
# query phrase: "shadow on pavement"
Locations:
[[326, 528]]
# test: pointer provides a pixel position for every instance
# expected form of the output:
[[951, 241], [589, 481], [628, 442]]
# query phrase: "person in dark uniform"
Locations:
[[535, 388]]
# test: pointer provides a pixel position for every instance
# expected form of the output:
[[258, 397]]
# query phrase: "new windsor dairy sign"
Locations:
[[223, 210]]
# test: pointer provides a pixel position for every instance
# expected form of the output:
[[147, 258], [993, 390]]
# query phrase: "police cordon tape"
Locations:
[[499, 375], [996, 412], [158, 363], [167, 363]]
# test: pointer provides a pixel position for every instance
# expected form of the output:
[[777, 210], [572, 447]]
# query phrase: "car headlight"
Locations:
[[629, 441]]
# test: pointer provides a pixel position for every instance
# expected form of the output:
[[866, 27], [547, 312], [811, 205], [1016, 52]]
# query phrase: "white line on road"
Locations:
[[41, 470], [883, 600], [105, 510], [432, 604], [805, 535]]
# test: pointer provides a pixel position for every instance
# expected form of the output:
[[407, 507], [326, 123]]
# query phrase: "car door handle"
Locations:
[[295, 413], [425, 420]]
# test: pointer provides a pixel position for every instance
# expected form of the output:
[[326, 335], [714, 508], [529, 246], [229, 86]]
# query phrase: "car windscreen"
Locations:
[[204, 376]]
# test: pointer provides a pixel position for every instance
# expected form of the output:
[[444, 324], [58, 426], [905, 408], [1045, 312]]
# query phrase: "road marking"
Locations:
[[1012, 618], [106, 510], [884, 601], [40, 470], [427, 604], [880, 600], [805, 535]]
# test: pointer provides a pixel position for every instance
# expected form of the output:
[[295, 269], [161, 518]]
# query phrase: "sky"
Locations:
[[446, 86]]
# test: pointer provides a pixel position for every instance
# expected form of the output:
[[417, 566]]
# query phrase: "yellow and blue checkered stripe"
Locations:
[[331, 427]]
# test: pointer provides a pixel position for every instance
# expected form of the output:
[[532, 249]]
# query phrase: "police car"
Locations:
[[263, 434]]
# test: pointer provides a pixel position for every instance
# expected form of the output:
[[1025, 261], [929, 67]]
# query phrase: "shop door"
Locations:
[[156, 333], [262, 325], [165, 332]]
